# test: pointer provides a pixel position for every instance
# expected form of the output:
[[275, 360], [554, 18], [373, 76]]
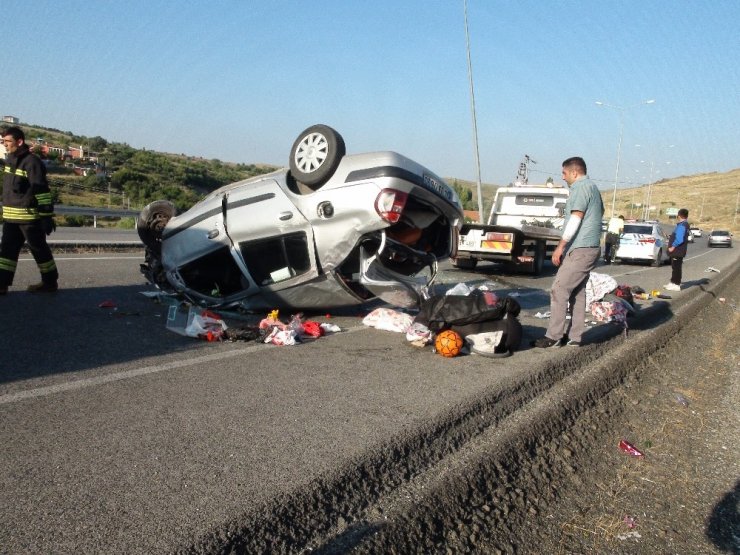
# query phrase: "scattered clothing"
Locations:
[[388, 319]]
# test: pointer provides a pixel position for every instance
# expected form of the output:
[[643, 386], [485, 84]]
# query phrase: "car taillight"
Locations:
[[646, 240], [389, 204], [497, 236]]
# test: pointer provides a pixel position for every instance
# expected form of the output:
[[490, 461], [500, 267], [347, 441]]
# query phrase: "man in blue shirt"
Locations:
[[576, 255], [678, 242]]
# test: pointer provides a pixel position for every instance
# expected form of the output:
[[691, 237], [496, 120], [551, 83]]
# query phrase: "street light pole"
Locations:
[[472, 112], [621, 110], [649, 193], [646, 215]]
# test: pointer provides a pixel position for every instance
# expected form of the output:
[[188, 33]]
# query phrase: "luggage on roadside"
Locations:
[[481, 312]]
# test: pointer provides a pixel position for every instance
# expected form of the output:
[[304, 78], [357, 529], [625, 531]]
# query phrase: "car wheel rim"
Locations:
[[312, 151]]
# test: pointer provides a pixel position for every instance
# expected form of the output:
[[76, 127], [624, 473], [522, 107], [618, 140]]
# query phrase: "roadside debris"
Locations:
[[489, 344], [712, 269], [107, 304], [626, 447], [459, 289], [294, 332], [448, 343], [681, 400], [484, 323], [243, 333], [489, 324], [418, 335], [629, 521], [192, 321], [388, 319]]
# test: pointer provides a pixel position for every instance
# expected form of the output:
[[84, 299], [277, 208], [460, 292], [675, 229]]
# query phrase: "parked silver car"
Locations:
[[332, 230], [719, 238]]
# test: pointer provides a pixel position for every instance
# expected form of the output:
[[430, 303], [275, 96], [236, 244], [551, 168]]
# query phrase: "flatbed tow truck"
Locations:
[[523, 228]]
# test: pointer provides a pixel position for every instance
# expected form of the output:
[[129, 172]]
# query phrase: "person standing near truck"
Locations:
[[678, 243], [613, 232], [575, 256]]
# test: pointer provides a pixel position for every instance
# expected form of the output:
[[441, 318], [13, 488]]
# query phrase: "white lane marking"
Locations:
[[146, 370]]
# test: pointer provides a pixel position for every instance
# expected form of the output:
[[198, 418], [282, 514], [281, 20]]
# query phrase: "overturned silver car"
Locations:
[[332, 230]]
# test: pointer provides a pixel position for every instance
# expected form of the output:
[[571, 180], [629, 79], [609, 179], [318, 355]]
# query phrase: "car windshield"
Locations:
[[722, 233], [637, 228]]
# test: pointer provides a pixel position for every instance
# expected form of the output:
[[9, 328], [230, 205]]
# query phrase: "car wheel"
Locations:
[[315, 155], [540, 252], [152, 221], [464, 263], [658, 260]]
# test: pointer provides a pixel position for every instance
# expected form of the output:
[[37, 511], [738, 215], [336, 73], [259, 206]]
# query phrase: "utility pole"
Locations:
[[472, 111]]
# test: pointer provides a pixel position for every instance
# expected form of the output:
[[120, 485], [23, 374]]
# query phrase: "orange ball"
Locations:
[[448, 343]]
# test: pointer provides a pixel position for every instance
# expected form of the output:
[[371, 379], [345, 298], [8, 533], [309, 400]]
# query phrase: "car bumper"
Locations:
[[635, 252]]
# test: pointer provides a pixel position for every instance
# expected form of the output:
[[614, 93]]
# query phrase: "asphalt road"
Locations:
[[121, 436]]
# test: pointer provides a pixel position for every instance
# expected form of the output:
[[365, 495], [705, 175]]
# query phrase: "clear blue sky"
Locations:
[[239, 80]]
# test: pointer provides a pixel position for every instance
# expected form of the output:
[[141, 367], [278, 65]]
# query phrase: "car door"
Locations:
[[272, 240]]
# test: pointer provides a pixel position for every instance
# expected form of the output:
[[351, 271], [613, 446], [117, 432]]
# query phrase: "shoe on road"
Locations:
[[43, 288], [545, 342], [672, 287], [570, 342]]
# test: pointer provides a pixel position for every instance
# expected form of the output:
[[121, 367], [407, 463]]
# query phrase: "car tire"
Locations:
[[464, 263], [658, 260], [315, 155], [540, 252], [152, 221]]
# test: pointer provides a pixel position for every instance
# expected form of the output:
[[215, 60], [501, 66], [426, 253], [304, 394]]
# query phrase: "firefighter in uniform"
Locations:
[[28, 213]]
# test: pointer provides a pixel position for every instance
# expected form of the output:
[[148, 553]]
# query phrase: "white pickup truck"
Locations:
[[523, 228]]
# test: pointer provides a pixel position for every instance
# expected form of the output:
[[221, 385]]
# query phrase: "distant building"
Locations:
[[11, 119], [471, 215], [76, 152]]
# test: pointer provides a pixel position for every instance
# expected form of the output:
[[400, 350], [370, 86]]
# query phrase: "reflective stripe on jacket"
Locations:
[[26, 194]]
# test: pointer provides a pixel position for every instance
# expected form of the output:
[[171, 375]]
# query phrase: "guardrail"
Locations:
[[94, 212], [91, 211]]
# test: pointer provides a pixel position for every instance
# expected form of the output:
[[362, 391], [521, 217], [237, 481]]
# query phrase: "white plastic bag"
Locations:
[[205, 325], [388, 319]]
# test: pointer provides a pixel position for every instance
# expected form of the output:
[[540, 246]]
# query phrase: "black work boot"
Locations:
[[43, 288]]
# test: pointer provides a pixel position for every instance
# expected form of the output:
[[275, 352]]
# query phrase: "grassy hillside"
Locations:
[[711, 199], [120, 175]]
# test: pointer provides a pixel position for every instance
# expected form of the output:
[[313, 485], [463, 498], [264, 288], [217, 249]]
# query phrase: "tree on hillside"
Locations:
[[466, 196], [97, 144]]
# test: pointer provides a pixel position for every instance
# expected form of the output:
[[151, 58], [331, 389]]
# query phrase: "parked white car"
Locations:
[[643, 242], [695, 231]]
